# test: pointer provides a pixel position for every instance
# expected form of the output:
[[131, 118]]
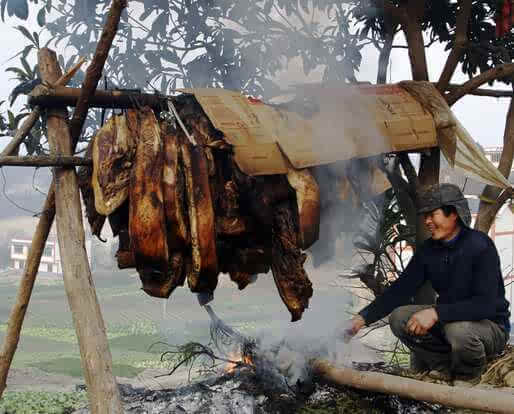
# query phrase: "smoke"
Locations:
[[338, 129], [341, 125]]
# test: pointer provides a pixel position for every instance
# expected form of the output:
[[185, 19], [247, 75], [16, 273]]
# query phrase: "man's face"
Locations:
[[442, 227]]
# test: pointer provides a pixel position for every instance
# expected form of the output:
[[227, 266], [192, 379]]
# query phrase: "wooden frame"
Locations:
[[63, 201]]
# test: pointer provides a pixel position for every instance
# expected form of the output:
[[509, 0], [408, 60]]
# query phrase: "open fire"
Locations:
[[238, 360]]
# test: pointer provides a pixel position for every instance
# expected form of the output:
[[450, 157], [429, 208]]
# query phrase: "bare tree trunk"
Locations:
[[429, 167], [385, 52], [461, 40], [428, 175], [487, 211], [414, 36]]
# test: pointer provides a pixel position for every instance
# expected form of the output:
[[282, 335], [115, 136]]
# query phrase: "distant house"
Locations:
[[50, 260]]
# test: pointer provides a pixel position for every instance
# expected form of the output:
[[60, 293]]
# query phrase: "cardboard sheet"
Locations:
[[348, 122]]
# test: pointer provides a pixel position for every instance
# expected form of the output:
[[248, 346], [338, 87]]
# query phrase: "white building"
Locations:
[[50, 260], [493, 154]]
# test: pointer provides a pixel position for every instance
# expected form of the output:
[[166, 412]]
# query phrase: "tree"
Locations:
[[243, 44]]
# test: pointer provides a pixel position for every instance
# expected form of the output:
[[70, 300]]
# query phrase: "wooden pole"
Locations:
[[474, 399], [62, 96], [18, 311], [45, 161], [103, 391], [28, 123], [38, 243]]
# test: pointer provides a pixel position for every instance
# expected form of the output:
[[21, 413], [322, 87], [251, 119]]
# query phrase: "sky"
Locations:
[[483, 117]]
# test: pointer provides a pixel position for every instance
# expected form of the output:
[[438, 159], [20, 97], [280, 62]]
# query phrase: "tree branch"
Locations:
[[413, 34], [410, 171], [461, 39], [501, 71], [487, 211], [491, 93], [398, 14], [94, 71], [385, 52]]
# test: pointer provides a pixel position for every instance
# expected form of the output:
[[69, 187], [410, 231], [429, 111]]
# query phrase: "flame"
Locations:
[[237, 357]]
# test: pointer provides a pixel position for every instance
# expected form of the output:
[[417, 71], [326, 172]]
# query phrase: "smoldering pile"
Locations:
[[241, 391], [183, 209]]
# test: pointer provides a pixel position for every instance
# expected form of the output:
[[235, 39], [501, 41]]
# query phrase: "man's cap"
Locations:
[[436, 196]]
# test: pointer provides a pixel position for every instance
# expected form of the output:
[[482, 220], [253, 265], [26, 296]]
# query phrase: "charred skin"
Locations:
[[85, 177], [241, 279], [204, 271], [176, 277], [113, 152], [177, 222], [147, 228], [308, 205], [119, 222], [287, 260]]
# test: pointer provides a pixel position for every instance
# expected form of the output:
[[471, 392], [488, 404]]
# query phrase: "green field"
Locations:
[[134, 321]]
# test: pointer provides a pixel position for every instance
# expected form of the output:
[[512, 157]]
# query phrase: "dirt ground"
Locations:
[[34, 379]]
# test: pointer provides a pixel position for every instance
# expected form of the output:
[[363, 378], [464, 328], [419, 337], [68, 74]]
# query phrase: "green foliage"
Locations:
[[379, 241], [237, 44], [31, 402]]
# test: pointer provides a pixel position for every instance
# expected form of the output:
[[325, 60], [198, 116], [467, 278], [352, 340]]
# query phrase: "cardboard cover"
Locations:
[[347, 122]]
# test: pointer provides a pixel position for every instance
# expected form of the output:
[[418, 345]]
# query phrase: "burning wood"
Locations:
[[187, 212]]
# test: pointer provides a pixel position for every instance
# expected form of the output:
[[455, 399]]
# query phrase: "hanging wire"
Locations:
[[34, 186]]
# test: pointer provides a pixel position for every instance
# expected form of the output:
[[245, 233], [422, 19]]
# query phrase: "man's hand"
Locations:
[[352, 327], [422, 321]]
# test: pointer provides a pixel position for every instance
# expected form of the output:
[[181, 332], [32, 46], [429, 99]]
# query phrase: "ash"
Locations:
[[240, 392], [245, 392]]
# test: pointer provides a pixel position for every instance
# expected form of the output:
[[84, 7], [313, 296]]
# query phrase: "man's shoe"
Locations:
[[440, 375]]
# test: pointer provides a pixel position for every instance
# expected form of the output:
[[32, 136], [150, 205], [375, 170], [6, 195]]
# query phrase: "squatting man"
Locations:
[[469, 324]]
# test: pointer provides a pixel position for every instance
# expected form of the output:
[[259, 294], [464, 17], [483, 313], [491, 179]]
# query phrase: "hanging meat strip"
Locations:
[[287, 260], [204, 272], [147, 229]]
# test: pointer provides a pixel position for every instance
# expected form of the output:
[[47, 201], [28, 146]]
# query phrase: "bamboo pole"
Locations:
[[28, 123], [19, 309], [474, 399], [45, 161], [62, 96], [102, 389]]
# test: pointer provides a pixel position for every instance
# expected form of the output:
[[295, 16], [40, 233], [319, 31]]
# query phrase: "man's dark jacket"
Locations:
[[465, 273]]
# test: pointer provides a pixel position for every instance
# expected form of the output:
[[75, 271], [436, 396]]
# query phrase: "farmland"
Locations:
[[135, 321]]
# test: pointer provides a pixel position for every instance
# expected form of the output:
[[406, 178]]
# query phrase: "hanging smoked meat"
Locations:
[[308, 205], [147, 228], [204, 271], [287, 261], [174, 188], [113, 153]]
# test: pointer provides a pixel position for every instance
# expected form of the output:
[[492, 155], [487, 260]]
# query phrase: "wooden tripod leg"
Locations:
[[104, 395], [17, 315], [12, 336]]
